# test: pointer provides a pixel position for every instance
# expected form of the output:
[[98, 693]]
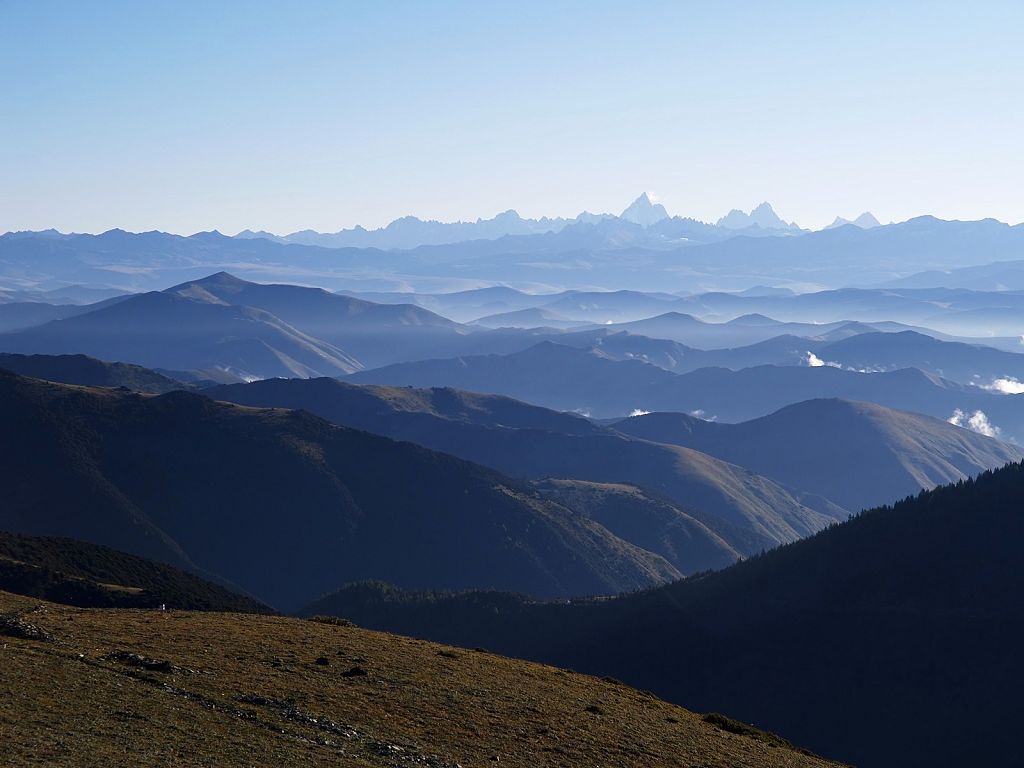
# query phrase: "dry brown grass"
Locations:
[[250, 690]]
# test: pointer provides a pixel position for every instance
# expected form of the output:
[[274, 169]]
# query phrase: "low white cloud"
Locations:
[[638, 412], [816, 362], [870, 369], [977, 421], [700, 414], [1006, 385]]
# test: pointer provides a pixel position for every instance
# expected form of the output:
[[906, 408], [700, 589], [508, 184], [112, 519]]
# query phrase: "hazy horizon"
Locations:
[[187, 118], [653, 197]]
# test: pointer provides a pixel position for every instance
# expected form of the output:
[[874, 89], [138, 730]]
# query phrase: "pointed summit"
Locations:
[[763, 216], [644, 212], [865, 221]]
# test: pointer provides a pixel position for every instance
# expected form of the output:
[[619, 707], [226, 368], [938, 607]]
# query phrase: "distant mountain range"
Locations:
[[593, 382], [410, 232], [222, 328], [848, 346], [960, 314], [865, 221], [762, 217], [607, 252], [998, 276]]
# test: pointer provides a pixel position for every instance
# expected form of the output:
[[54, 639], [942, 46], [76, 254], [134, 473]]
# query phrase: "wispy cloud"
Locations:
[[1006, 385], [700, 414], [977, 421]]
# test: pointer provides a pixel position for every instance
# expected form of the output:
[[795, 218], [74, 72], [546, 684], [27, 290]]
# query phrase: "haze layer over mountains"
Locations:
[[438, 428]]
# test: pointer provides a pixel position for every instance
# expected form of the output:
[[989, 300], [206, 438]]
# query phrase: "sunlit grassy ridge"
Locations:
[[126, 687]]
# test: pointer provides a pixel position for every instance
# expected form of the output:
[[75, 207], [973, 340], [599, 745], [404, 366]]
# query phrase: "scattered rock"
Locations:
[[399, 755], [12, 625], [335, 620], [142, 662], [286, 708]]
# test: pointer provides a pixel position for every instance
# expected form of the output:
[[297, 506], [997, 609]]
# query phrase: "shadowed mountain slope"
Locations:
[[89, 575], [284, 504], [891, 640], [88, 371], [654, 524], [746, 510]]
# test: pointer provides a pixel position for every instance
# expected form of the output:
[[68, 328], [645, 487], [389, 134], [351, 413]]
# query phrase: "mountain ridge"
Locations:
[[201, 485]]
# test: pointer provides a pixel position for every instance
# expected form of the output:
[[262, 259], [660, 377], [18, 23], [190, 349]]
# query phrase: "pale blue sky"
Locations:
[[184, 116]]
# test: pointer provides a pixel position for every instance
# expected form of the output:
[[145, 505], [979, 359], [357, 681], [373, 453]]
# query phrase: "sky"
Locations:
[[188, 116]]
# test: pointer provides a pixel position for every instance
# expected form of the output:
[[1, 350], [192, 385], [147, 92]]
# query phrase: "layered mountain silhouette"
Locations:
[[375, 334], [912, 612], [535, 317], [187, 332], [966, 363], [592, 382], [744, 330], [285, 505], [606, 252], [221, 326], [411, 232], [849, 346], [712, 500], [829, 447]]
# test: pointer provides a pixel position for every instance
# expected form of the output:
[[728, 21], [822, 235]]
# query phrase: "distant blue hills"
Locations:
[[410, 232], [644, 249]]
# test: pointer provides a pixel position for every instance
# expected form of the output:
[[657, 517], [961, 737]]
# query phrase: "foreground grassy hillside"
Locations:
[[84, 687]]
